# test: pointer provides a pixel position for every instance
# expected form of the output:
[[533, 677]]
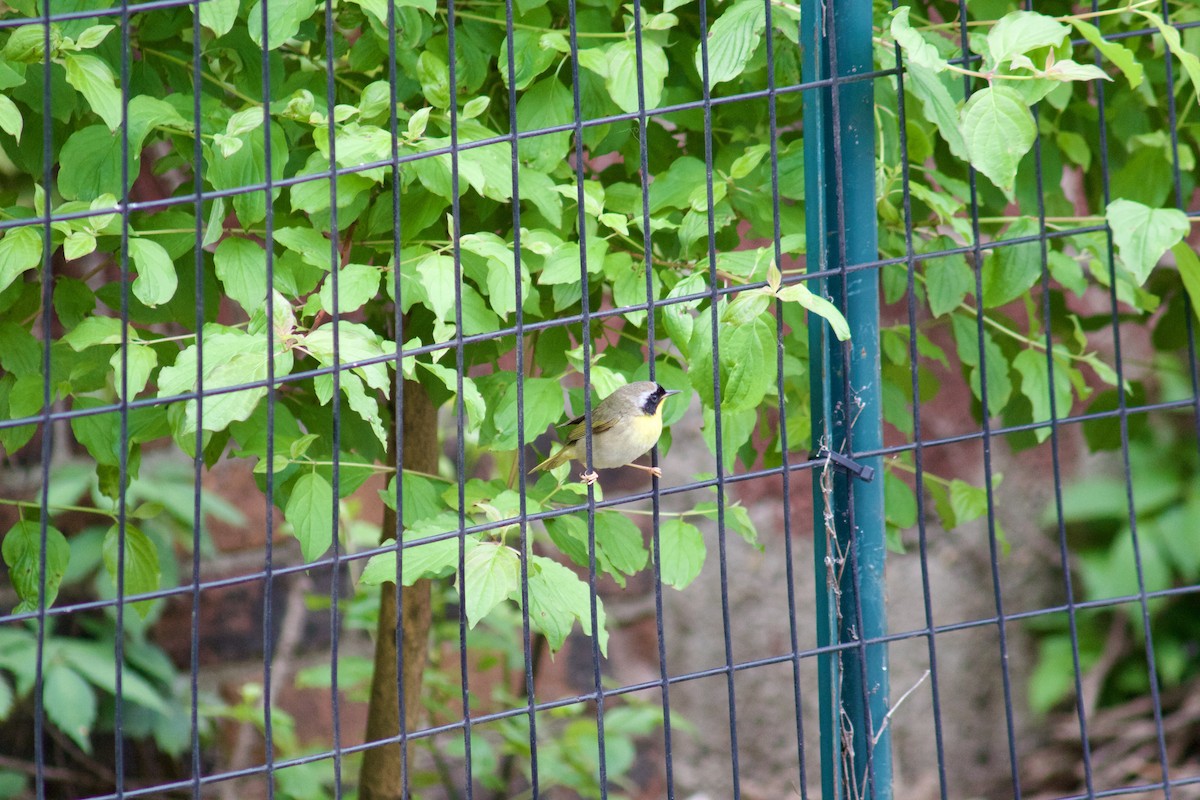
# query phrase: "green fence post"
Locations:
[[846, 413]]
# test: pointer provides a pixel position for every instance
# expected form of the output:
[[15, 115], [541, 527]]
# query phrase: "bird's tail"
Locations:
[[561, 457]]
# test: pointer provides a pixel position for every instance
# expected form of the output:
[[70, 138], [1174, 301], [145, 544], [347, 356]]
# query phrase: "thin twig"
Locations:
[[887, 718]]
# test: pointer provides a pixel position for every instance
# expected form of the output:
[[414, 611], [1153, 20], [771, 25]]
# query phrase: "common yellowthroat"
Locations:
[[625, 425]]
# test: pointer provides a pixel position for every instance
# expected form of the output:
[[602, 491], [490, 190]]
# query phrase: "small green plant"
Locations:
[[1166, 477]]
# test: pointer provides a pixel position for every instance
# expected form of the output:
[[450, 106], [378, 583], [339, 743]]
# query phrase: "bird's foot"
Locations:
[[655, 471], [589, 477]]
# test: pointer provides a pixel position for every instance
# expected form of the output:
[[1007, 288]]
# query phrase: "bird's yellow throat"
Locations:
[[646, 427]]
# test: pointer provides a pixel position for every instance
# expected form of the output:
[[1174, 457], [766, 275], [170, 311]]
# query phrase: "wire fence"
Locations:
[[922, 274]]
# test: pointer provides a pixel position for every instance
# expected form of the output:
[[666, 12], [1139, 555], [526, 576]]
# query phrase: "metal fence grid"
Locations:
[[845, 267]]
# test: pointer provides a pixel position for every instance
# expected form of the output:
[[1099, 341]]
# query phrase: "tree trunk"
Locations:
[[380, 778]]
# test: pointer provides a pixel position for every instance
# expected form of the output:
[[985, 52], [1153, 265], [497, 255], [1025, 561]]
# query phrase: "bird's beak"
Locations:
[[670, 392]]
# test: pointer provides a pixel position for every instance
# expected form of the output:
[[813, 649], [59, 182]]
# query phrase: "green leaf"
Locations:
[[745, 309], [356, 342], [20, 250], [73, 301], [357, 284], [547, 103], [93, 36], [156, 280], [437, 273], [529, 59], [421, 498], [569, 535], [1009, 272], [629, 287], [939, 107], [998, 131], [501, 291], [619, 545], [78, 244], [310, 512], [22, 552], [26, 45], [231, 358], [800, 293], [1035, 385], [1115, 52], [475, 106], [473, 402], [94, 662], [1019, 32], [1068, 70], [283, 21], [538, 188], [594, 59], [1187, 59], [90, 164], [677, 317], [1189, 271], [744, 164], [20, 352], [241, 266], [248, 167], [543, 408], [1111, 572], [1143, 234], [244, 121], [93, 331], [426, 560], [140, 557], [682, 550], [309, 244], [70, 704], [418, 122], [1053, 678], [916, 47], [557, 597], [376, 99], [218, 15], [10, 118], [899, 501], [1074, 147], [358, 144], [94, 80], [736, 430], [142, 361], [493, 572], [948, 279], [968, 502], [966, 339], [747, 365], [732, 39], [6, 706], [379, 8], [737, 519], [621, 77], [434, 75]]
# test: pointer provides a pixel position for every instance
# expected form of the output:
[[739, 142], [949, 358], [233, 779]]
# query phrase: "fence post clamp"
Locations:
[[848, 464]]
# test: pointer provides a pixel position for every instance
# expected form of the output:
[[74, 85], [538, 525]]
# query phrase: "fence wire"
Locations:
[[47, 619]]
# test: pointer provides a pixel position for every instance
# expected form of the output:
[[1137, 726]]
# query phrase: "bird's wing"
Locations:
[[576, 433]]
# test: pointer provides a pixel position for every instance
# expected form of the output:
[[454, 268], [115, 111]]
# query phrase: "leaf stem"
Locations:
[[525, 27], [55, 507], [233, 90], [955, 24], [901, 464]]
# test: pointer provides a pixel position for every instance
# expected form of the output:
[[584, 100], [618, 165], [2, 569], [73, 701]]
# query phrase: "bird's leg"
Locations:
[[589, 477], [655, 471]]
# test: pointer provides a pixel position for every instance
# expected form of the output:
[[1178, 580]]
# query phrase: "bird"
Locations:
[[625, 425]]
